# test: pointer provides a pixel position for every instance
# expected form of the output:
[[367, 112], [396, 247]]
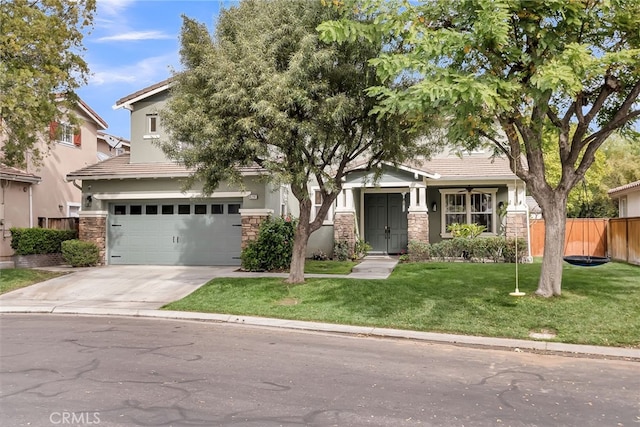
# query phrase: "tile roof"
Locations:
[[120, 167], [471, 166], [14, 174], [622, 188]]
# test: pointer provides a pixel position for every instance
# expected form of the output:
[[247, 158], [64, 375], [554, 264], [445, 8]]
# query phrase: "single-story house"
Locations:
[[136, 211], [628, 198]]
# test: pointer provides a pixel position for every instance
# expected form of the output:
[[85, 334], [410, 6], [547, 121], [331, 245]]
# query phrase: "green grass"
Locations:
[[328, 267], [599, 305], [16, 278]]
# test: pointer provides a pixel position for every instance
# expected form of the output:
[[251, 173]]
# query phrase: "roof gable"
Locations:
[[142, 94]]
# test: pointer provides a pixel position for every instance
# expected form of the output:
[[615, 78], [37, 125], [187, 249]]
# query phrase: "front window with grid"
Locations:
[[468, 207], [66, 134]]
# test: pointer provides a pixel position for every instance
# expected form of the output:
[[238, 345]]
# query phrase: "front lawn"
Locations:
[[328, 267], [599, 305], [16, 278]]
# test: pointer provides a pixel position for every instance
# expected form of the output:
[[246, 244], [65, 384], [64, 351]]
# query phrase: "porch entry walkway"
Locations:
[[374, 267]]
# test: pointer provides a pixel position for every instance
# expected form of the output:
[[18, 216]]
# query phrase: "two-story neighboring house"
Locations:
[[138, 214], [47, 195], [111, 146]]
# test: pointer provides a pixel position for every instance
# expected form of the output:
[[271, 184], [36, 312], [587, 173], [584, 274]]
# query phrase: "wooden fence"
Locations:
[[624, 239], [59, 223], [583, 236]]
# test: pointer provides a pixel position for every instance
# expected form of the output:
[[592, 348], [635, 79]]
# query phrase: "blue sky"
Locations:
[[134, 44]]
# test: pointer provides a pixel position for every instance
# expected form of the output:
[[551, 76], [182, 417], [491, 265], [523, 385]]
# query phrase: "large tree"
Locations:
[[41, 65], [511, 72], [264, 90]]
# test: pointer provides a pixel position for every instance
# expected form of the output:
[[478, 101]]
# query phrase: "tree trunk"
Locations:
[[296, 270], [550, 281]]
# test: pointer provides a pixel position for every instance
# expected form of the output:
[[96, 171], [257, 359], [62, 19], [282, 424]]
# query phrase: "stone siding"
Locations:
[[418, 226], [37, 260], [250, 228], [516, 224], [344, 229], [94, 229]]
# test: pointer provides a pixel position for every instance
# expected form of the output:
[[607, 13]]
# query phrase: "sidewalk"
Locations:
[[123, 291]]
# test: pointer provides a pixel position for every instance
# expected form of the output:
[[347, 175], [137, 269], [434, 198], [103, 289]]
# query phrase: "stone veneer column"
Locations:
[[418, 216], [92, 227], [516, 224], [251, 220], [418, 226], [344, 228]]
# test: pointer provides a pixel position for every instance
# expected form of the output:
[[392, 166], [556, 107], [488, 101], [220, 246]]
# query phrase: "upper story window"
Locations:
[[152, 124], [65, 133]]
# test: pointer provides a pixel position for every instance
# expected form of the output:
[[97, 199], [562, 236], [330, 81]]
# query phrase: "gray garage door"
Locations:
[[167, 232]]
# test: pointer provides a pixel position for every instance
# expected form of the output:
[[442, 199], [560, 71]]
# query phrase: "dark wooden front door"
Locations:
[[386, 222]]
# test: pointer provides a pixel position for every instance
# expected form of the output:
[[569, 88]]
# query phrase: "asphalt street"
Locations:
[[120, 371]]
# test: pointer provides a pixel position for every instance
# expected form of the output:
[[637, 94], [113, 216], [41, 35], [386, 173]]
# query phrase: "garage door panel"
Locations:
[[176, 239]]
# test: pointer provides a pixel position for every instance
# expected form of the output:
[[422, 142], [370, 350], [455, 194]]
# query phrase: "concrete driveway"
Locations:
[[129, 286]]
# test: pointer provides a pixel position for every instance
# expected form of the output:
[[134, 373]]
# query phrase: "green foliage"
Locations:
[[468, 231], [29, 241], [534, 79], [79, 253], [273, 248], [418, 251], [341, 250], [263, 89], [40, 59], [361, 249], [493, 248]]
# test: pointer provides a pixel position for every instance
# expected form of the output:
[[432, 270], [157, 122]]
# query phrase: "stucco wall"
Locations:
[[633, 204], [53, 195], [145, 150], [14, 212]]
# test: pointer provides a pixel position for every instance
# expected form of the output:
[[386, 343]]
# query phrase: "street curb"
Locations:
[[506, 343]]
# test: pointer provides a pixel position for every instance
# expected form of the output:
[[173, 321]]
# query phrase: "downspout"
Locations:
[[30, 206], [75, 184]]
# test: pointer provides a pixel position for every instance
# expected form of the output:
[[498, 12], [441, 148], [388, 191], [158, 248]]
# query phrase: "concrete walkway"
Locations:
[[143, 290]]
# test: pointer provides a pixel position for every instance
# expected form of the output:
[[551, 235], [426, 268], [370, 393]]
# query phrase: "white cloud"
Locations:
[[113, 7], [136, 35], [142, 73]]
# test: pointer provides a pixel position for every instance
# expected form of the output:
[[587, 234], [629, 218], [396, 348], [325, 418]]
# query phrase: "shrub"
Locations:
[[319, 256], [273, 248], [509, 252], [79, 253], [341, 250], [469, 231], [361, 249], [419, 251], [30, 241]]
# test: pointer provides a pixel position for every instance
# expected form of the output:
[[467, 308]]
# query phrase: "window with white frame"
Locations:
[[460, 206], [152, 124], [622, 207], [66, 133], [317, 203]]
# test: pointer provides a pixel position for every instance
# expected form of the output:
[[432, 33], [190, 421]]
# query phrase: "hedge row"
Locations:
[[482, 249], [30, 241]]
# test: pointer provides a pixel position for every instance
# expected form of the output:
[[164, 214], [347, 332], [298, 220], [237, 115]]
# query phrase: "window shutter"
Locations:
[[53, 127], [77, 138]]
